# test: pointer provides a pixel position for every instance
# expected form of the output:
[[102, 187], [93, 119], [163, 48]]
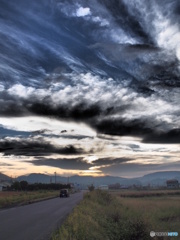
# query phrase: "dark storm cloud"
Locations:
[[177, 9], [139, 129], [110, 161], [77, 163], [63, 163], [20, 106], [106, 165], [169, 137], [11, 106], [27, 147], [79, 112], [122, 128], [136, 169]]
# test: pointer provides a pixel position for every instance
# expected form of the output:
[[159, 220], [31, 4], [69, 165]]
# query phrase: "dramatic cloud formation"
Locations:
[[110, 70], [34, 148]]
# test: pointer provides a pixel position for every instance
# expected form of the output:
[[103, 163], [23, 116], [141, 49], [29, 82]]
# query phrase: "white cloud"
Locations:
[[82, 12], [116, 35], [178, 51], [51, 125], [104, 92], [168, 35], [21, 91], [103, 22], [1, 88], [158, 21]]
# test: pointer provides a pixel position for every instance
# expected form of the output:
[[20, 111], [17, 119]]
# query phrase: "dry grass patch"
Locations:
[[161, 213], [147, 193], [8, 199]]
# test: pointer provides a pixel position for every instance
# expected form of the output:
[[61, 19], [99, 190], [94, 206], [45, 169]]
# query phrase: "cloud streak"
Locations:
[[63, 163]]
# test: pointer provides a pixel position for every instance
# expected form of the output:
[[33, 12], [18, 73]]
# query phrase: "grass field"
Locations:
[[8, 199], [146, 193], [160, 210], [122, 215]]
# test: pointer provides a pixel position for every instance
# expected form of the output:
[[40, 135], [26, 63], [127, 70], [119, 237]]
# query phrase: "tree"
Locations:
[[91, 188], [23, 185], [16, 186]]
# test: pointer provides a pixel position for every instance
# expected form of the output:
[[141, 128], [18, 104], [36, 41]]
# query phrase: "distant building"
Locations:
[[124, 187], [4, 186], [115, 186], [103, 187], [173, 183]]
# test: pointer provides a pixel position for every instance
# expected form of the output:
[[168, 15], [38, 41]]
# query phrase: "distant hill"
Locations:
[[76, 179], [153, 179], [167, 174], [4, 177], [87, 180], [159, 178], [41, 178]]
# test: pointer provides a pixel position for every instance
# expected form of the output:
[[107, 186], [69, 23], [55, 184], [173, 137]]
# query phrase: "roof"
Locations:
[[172, 181], [5, 184]]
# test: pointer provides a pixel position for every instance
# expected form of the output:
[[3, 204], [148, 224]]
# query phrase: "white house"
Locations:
[[103, 187], [4, 185]]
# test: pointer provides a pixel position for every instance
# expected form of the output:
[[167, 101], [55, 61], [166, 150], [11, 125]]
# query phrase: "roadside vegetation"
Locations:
[[10, 199], [21, 193], [104, 215], [25, 186]]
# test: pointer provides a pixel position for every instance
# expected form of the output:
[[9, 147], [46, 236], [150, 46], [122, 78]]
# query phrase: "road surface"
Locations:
[[36, 221]]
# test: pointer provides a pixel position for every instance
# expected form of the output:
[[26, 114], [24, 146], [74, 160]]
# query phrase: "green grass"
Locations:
[[8, 199], [108, 216]]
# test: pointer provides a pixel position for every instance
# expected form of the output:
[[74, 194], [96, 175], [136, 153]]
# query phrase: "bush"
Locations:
[[91, 188]]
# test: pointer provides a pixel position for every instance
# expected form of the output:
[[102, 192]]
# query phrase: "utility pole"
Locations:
[[55, 176], [68, 180]]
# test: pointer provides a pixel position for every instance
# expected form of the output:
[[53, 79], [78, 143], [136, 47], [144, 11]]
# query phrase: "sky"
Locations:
[[89, 87]]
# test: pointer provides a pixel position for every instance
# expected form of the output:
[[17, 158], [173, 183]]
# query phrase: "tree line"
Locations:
[[25, 186]]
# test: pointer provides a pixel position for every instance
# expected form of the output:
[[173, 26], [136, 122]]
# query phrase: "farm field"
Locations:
[[8, 199], [160, 210], [118, 215]]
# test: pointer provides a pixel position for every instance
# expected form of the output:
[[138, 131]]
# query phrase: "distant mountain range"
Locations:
[[153, 179], [4, 177], [159, 178]]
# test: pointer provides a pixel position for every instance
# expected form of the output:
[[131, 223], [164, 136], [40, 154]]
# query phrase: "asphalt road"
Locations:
[[36, 221]]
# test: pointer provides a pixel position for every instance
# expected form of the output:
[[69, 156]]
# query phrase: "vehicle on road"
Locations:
[[64, 193]]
